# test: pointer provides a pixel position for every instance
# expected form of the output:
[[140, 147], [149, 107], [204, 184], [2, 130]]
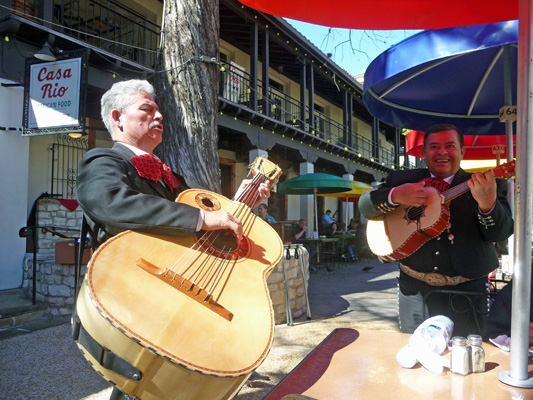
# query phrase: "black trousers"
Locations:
[[418, 301]]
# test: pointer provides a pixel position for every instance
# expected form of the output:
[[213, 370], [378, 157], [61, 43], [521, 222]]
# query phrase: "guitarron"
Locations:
[[192, 315], [402, 231]]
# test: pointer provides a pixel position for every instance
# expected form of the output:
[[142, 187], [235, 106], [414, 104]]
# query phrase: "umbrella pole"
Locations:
[[346, 210], [315, 233], [518, 374], [508, 97]]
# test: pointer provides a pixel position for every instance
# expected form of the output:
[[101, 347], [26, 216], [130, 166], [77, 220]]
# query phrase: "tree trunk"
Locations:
[[187, 90]]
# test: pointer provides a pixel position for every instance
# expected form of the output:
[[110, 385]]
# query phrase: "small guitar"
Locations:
[[402, 231], [192, 314]]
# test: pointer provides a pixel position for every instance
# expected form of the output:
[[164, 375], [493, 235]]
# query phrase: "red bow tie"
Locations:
[[438, 183], [150, 167]]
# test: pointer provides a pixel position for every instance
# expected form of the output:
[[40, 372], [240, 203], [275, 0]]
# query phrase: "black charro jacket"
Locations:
[[114, 198], [471, 253]]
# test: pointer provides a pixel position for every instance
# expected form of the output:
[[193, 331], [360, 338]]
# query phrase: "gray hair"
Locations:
[[120, 97]]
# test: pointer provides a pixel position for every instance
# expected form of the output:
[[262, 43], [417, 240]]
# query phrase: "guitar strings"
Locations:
[[207, 272], [449, 195], [211, 275]]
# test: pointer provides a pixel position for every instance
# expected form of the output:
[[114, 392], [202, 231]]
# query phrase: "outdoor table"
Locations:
[[319, 244], [361, 364]]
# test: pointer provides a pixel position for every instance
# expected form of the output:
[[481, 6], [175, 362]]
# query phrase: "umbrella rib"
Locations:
[[422, 112], [407, 79], [483, 80]]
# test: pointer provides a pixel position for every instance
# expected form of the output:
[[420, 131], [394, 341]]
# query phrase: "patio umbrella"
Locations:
[[314, 183], [454, 76], [352, 196], [478, 147], [401, 14], [390, 14]]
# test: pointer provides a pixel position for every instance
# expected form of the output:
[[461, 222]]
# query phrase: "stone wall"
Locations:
[[55, 282], [295, 285]]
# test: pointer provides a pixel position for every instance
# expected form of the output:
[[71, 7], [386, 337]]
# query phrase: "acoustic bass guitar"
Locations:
[[400, 232], [191, 314]]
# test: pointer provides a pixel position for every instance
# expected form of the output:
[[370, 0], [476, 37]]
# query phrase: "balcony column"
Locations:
[[347, 207], [375, 139], [46, 12], [311, 98], [5, 10], [254, 38], [347, 111], [303, 93], [266, 74], [397, 135], [405, 157], [307, 204]]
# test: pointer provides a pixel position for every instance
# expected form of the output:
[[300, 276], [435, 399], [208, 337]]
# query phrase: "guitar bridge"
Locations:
[[185, 286]]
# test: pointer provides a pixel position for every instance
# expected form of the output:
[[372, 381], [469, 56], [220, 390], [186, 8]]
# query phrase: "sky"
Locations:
[[366, 44]]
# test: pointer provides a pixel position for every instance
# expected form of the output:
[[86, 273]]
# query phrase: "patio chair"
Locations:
[[477, 303]]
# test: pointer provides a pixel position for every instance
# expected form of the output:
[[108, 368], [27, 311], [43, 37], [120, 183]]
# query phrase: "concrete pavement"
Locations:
[[42, 362]]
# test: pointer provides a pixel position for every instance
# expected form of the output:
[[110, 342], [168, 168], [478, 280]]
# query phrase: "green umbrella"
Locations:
[[314, 183]]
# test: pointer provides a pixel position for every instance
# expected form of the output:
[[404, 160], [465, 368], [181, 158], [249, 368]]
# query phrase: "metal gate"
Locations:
[[66, 155]]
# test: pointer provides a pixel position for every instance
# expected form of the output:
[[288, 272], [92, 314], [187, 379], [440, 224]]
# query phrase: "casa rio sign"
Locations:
[[54, 97]]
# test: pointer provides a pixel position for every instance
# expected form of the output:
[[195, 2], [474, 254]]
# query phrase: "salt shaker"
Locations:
[[460, 356], [477, 354]]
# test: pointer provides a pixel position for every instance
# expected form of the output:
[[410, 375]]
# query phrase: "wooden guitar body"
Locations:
[[196, 323], [402, 231]]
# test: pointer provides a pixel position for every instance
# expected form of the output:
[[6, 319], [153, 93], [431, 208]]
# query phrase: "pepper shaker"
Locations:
[[477, 354]]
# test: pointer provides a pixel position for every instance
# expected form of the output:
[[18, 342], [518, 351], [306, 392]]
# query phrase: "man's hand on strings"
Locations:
[[264, 192], [409, 194], [484, 190], [261, 193], [215, 220]]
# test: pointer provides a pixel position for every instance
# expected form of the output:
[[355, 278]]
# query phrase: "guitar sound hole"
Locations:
[[222, 243], [207, 202], [415, 213]]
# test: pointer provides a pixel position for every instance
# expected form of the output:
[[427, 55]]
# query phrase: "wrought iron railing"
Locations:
[[328, 129], [66, 155], [285, 108], [236, 87], [108, 25]]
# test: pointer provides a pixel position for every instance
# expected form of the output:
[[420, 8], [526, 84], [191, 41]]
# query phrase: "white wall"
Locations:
[[40, 171], [13, 187]]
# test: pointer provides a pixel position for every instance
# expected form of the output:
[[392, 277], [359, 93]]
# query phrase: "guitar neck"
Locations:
[[501, 171], [250, 194], [455, 191], [263, 170]]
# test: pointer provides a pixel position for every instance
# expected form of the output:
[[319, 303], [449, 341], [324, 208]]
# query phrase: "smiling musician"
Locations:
[[463, 254]]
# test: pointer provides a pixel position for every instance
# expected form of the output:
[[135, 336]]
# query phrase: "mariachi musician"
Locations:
[[126, 188], [463, 255]]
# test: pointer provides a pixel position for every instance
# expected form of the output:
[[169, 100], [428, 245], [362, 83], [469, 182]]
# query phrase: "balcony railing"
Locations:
[[113, 27], [107, 25], [236, 87]]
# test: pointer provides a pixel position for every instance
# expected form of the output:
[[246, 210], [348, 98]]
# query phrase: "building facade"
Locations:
[[279, 97]]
